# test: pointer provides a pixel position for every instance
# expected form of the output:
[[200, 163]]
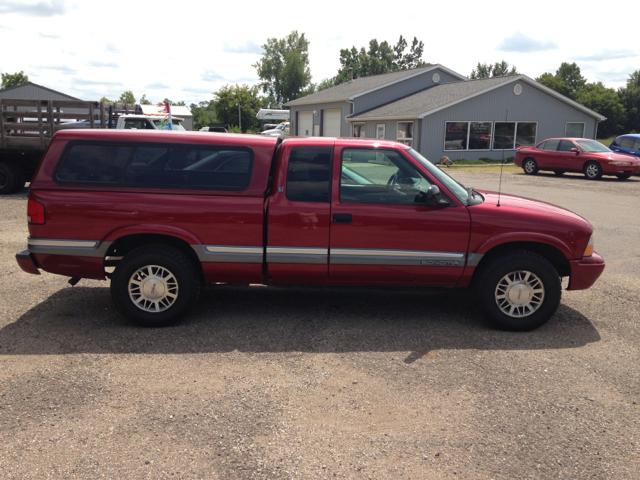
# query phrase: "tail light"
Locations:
[[35, 212]]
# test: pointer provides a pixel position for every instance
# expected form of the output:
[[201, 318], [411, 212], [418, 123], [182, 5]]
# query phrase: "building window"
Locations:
[[480, 135], [405, 133], [574, 130], [380, 131], [511, 135], [455, 137], [359, 130]]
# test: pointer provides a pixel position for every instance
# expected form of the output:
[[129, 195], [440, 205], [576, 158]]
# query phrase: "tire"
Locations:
[[510, 307], [592, 170], [530, 166], [12, 178], [178, 285], [559, 172], [624, 176]]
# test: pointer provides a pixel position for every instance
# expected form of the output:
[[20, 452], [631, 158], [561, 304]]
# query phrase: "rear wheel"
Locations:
[[155, 285], [519, 291], [624, 176], [559, 172], [593, 170], [530, 166], [11, 178]]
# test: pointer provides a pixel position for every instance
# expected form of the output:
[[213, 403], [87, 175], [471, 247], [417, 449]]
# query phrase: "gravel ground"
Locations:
[[313, 383]]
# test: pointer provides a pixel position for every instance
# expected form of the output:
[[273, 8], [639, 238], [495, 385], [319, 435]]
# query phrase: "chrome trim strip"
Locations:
[[473, 259], [355, 256], [226, 249], [305, 255], [73, 248], [50, 242], [228, 254]]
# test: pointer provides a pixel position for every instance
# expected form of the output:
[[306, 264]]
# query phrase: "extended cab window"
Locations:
[[138, 124], [309, 174], [380, 176], [159, 166]]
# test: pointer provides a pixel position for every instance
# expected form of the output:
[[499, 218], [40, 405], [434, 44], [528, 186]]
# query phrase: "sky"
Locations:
[[186, 50]]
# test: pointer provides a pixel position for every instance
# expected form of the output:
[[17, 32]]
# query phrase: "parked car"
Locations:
[[629, 144], [282, 131], [581, 155], [170, 210], [214, 129]]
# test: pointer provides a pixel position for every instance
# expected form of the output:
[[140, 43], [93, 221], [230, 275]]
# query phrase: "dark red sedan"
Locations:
[[581, 155]]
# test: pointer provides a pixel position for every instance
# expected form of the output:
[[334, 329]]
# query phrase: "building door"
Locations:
[[305, 124], [331, 123], [381, 234]]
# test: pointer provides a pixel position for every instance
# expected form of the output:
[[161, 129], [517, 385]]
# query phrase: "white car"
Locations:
[[282, 130]]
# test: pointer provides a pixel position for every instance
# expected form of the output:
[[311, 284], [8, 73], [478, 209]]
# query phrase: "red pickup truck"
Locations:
[[171, 210]]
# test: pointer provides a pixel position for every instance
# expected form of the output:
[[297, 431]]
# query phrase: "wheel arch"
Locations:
[[124, 244], [552, 253]]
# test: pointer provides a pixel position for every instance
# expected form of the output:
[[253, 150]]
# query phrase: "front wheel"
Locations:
[[530, 166], [593, 170], [155, 285], [519, 291], [624, 176]]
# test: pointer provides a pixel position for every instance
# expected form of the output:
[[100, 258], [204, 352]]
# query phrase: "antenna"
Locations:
[[506, 115]]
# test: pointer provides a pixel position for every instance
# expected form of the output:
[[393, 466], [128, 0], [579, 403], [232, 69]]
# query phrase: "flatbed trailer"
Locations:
[[27, 126]]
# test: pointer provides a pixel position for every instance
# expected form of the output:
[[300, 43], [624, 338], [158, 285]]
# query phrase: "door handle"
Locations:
[[342, 218]]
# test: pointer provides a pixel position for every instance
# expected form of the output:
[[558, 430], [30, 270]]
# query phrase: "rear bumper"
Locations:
[[585, 272], [27, 262]]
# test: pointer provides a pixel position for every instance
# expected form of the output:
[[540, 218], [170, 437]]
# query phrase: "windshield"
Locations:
[[455, 187], [591, 146], [175, 125]]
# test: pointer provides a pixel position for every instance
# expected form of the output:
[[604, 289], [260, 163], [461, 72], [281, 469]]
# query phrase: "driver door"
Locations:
[[380, 234]]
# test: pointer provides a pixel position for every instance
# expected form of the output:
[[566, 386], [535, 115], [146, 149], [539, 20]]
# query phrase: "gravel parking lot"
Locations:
[[308, 383]]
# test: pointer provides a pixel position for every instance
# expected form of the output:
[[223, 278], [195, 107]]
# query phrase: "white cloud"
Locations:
[[158, 86], [60, 68], [606, 54], [34, 9], [94, 63], [49, 37], [519, 42], [247, 47]]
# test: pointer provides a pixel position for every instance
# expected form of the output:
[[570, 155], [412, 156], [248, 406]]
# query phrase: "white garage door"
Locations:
[[331, 123], [305, 124]]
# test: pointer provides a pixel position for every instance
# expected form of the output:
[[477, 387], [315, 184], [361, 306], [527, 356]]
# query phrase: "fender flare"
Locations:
[[529, 237], [150, 228]]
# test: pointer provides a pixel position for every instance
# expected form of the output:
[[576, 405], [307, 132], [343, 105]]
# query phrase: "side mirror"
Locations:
[[434, 197], [574, 150]]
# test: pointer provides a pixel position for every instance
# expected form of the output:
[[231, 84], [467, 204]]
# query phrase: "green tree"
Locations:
[[567, 80], [127, 97], [229, 97], [284, 68], [13, 79], [381, 57], [106, 100], [606, 102], [144, 101], [180, 103], [498, 69], [630, 99], [204, 114]]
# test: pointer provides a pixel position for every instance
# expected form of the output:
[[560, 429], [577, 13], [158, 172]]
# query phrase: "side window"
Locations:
[[627, 142], [309, 174], [566, 146], [637, 146], [551, 145], [541, 146], [136, 123], [94, 164], [222, 168], [616, 142], [380, 176]]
